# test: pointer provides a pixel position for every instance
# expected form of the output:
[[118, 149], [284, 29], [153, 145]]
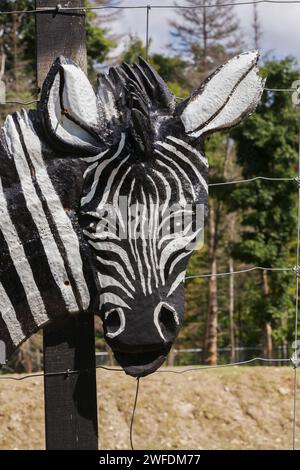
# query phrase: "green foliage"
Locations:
[[267, 145], [171, 69]]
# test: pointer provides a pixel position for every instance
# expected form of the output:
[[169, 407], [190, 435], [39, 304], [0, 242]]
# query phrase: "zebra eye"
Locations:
[[114, 322]]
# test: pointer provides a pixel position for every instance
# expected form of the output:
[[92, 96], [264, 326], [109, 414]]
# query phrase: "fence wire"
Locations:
[[59, 9]]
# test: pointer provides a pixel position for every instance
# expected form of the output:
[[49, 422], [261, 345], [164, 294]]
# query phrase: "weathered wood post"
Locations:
[[70, 400]]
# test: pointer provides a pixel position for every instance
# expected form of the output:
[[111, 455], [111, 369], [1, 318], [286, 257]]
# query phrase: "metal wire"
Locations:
[[133, 412], [249, 180], [160, 371], [247, 270], [61, 9], [296, 304]]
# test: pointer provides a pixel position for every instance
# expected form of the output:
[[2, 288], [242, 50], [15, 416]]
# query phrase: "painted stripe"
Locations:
[[182, 200], [59, 216], [182, 173], [8, 314], [108, 282], [166, 186], [116, 198], [108, 298], [86, 199], [179, 258], [139, 263], [173, 247], [179, 279], [191, 149], [35, 208], [184, 158], [21, 263], [118, 268], [111, 247], [152, 247], [129, 220], [109, 185], [145, 219]]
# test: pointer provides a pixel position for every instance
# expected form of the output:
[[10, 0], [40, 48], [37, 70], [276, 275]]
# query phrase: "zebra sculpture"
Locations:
[[65, 167]]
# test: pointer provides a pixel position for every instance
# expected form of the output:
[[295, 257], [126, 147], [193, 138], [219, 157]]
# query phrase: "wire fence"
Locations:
[[61, 9], [296, 269]]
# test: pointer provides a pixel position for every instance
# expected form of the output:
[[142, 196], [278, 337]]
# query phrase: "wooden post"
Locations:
[[70, 399]]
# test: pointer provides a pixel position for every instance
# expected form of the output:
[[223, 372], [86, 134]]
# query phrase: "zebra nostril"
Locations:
[[166, 321], [114, 322]]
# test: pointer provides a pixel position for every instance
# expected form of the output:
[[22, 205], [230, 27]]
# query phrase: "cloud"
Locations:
[[280, 26]]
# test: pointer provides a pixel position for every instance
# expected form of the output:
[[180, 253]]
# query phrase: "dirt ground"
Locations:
[[233, 408]]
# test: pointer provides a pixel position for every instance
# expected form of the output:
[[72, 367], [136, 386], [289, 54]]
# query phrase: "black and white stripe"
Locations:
[[41, 266], [142, 262]]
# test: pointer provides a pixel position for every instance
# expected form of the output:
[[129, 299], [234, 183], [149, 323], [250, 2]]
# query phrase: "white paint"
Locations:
[[95, 158], [191, 149], [112, 247], [139, 263], [116, 198], [65, 129], [243, 100], [79, 97], [154, 218], [156, 317], [144, 220], [108, 281], [179, 258], [122, 322], [119, 269], [179, 279], [86, 199], [109, 186], [101, 236], [110, 298], [21, 263], [175, 234], [60, 217], [174, 246], [35, 208], [185, 159], [182, 201], [8, 314], [204, 104], [166, 186], [129, 220], [152, 232]]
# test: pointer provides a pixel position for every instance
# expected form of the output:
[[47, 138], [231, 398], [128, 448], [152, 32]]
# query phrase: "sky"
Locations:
[[280, 26]]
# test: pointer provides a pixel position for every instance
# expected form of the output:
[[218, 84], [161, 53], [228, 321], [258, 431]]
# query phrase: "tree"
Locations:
[[171, 69], [207, 34], [267, 145], [256, 28], [17, 44]]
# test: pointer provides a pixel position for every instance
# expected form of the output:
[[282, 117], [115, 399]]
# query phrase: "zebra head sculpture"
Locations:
[[99, 201]]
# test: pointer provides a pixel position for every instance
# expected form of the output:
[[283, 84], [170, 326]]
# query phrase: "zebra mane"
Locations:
[[134, 98]]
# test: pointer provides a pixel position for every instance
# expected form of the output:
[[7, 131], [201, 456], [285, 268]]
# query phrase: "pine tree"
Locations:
[[207, 34], [256, 28]]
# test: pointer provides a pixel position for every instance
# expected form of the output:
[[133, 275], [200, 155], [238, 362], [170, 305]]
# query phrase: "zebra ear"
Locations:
[[68, 108], [225, 98]]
